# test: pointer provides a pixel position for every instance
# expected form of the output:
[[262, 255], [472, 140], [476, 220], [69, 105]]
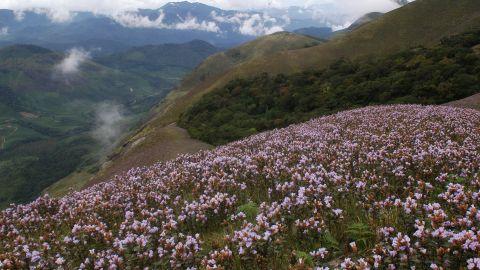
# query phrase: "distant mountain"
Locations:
[[64, 112], [316, 32], [177, 22]]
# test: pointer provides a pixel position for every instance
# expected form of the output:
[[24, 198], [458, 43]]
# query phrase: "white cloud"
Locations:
[[70, 65], [258, 25], [19, 14], [192, 23], [110, 122], [56, 15], [252, 24], [3, 31], [131, 19]]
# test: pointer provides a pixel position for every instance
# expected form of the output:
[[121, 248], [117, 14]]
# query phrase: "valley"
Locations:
[[55, 123]]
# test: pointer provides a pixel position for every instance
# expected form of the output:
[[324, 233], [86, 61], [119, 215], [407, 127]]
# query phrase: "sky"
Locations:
[[112, 6]]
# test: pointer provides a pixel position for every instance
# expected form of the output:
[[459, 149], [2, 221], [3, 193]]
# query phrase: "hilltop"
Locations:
[[422, 23], [446, 72], [379, 186], [472, 102]]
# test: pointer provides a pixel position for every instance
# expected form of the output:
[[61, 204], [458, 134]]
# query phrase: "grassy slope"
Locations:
[[446, 72], [157, 134], [216, 66], [423, 22], [163, 144]]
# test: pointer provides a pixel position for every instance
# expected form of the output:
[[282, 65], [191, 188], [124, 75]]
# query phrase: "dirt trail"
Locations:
[[472, 102]]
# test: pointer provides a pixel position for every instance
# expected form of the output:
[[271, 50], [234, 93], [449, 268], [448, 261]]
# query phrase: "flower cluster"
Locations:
[[388, 187]]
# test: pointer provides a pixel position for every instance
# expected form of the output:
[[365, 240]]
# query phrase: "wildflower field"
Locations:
[[389, 187]]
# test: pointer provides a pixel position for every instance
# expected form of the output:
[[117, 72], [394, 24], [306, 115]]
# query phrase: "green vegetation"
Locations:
[[161, 64], [47, 117], [214, 67], [250, 210], [446, 72]]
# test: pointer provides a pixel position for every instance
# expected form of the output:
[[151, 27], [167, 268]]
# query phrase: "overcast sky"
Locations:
[[109, 6]]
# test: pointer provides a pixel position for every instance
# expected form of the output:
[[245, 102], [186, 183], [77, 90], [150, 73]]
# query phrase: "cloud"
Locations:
[[70, 65], [110, 122], [134, 20], [258, 25], [55, 15], [3, 31], [191, 23], [252, 24], [19, 14]]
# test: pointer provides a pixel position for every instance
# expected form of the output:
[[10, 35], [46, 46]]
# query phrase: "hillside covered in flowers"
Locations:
[[391, 187]]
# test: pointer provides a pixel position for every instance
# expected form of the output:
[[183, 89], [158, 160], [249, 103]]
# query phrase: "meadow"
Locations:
[[384, 187]]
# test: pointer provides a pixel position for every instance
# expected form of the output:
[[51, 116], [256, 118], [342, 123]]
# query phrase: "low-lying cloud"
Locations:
[[3, 31], [71, 64], [56, 15], [252, 24], [134, 20], [110, 122]]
